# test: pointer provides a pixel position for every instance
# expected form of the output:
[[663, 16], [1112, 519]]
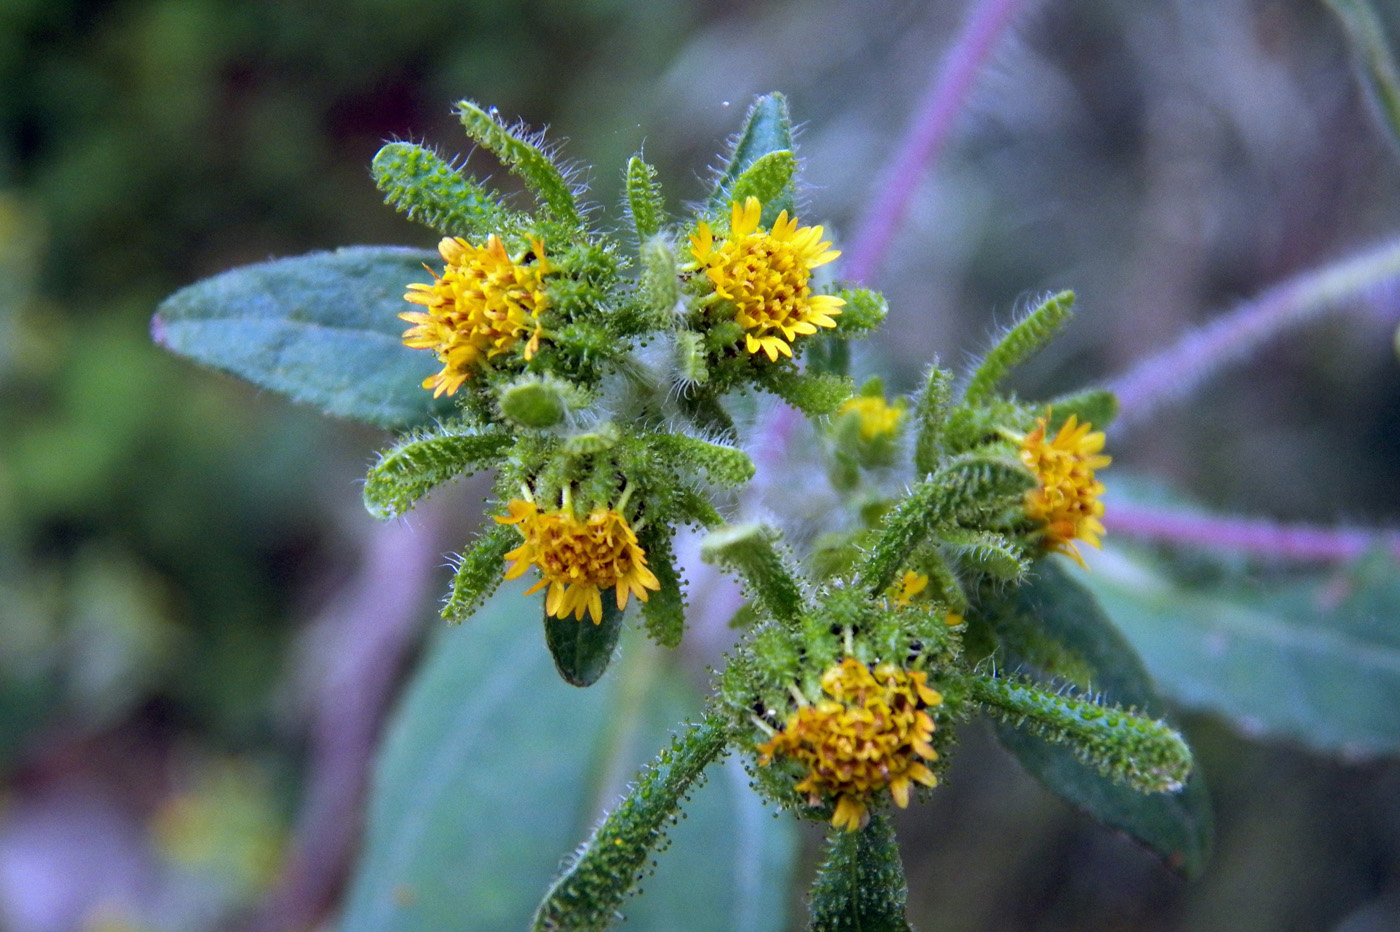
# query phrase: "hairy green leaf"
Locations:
[[1316, 661], [322, 328], [1020, 342], [521, 153], [664, 610], [860, 887], [426, 188], [644, 199], [724, 465], [417, 464], [814, 394], [767, 128], [752, 552], [581, 648], [770, 179], [479, 571], [493, 769], [1175, 826]]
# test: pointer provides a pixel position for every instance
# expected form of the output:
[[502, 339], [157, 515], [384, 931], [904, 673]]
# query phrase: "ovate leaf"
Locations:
[[767, 128], [322, 328], [1316, 661], [493, 771], [582, 650]]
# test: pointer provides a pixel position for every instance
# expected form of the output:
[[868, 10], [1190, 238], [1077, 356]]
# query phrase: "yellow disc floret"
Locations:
[[577, 559], [764, 274], [1066, 502], [477, 309], [870, 731]]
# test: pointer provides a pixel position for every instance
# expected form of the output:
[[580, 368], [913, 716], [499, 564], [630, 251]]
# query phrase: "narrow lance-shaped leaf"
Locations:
[[664, 610], [322, 328], [860, 887], [770, 179], [930, 410], [987, 552], [1096, 406], [479, 572], [751, 551], [1020, 343], [814, 394], [644, 199], [1146, 754], [1176, 826], [767, 128], [426, 188], [523, 157], [586, 898], [723, 465], [416, 465], [970, 484]]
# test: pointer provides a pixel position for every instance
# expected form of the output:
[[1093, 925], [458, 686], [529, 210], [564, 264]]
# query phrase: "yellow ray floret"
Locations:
[[1066, 502], [870, 731], [764, 274], [477, 309], [578, 559]]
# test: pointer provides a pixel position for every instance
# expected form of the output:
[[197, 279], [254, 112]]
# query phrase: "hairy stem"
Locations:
[[1175, 372], [929, 131], [1248, 535]]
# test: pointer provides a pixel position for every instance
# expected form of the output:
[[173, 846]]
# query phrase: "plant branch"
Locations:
[[1175, 372], [1249, 535], [926, 135]]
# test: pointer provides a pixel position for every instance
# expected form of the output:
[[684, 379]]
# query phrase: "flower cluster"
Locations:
[[871, 731], [1065, 503]]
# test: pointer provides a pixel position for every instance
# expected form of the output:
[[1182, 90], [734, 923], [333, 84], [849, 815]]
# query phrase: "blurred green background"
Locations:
[[172, 543]]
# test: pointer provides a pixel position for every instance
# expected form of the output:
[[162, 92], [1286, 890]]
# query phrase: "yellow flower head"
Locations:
[[764, 274], [1066, 503], [478, 308], [911, 585], [878, 418], [870, 731], [577, 559]]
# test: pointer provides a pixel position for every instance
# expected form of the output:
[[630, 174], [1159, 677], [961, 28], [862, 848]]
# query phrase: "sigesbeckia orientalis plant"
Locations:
[[596, 371]]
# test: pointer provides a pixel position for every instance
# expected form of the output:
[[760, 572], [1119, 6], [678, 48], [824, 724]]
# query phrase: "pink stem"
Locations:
[[1248, 535], [932, 124], [1176, 371]]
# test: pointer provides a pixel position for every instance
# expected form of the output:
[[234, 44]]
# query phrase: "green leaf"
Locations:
[[930, 411], [814, 394], [1096, 406], [581, 649], [967, 486], [479, 571], [767, 128], [1375, 64], [586, 897], [426, 188], [1316, 661], [644, 199], [752, 552], [416, 465], [492, 770], [1020, 342], [322, 328], [863, 312], [722, 464], [860, 887], [1175, 826], [769, 179], [521, 153], [664, 611]]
